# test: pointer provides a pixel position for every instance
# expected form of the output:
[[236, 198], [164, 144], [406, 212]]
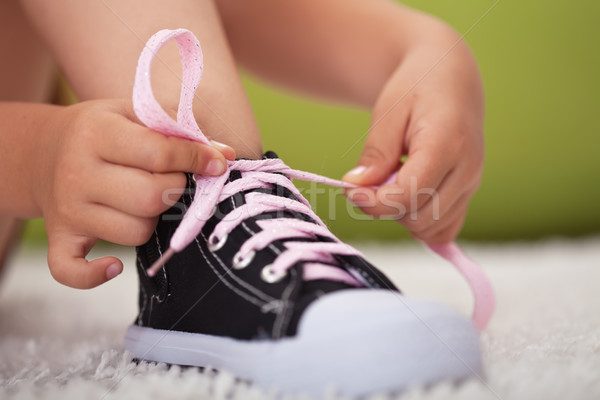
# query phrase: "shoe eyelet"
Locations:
[[269, 275], [241, 261], [215, 243]]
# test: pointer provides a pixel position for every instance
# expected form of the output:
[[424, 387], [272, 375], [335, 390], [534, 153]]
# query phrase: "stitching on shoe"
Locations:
[[268, 298], [258, 294], [145, 296], [284, 316], [164, 272], [151, 306], [245, 296]]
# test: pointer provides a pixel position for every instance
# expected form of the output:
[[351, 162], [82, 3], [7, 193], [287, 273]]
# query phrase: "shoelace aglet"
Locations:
[[162, 260]]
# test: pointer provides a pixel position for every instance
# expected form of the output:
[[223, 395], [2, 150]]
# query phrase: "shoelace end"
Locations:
[[162, 260]]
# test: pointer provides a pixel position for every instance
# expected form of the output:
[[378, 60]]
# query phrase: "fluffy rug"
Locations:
[[543, 343]]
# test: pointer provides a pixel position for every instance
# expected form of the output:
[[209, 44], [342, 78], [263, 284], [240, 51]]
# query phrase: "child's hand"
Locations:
[[104, 176], [431, 109], [412, 70]]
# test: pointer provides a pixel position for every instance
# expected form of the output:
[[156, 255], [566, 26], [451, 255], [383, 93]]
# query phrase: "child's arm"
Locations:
[[412, 70], [93, 172], [97, 43]]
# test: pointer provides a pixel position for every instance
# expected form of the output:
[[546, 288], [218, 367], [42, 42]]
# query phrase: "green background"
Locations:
[[540, 62]]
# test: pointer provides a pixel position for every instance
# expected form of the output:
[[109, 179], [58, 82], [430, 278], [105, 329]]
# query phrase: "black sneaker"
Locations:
[[300, 312]]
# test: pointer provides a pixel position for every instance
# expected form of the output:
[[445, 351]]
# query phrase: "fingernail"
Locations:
[[219, 145], [113, 270], [356, 196], [350, 193], [356, 171], [226, 150], [215, 167]]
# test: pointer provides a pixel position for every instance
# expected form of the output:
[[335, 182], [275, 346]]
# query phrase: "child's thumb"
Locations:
[[381, 153], [66, 259]]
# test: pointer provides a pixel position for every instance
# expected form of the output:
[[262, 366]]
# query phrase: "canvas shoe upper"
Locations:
[[227, 290]]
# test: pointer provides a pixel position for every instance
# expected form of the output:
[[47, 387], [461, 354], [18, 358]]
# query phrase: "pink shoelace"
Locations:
[[259, 174]]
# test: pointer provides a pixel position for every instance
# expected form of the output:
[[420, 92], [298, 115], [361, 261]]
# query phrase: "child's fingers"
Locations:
[[136, 192], [416, 184], [421, 176], [107, 223], [142, 148], [436, 207], [448, 230], [66, 259], [428, 222]]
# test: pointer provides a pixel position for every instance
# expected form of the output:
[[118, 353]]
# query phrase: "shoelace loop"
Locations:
[[211, 190]]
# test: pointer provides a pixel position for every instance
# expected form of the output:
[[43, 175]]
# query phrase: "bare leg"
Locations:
[[27, 75], [28, 72], [9, 228], [97, 44]]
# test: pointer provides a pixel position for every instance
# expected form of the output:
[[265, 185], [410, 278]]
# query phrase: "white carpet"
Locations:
[[543, 343]]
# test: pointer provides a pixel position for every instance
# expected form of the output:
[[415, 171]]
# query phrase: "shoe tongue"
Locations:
[[269, 154], [314, 288], [318, 286]]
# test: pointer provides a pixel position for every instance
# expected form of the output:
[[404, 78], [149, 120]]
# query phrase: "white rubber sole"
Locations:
[[360, 341]]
